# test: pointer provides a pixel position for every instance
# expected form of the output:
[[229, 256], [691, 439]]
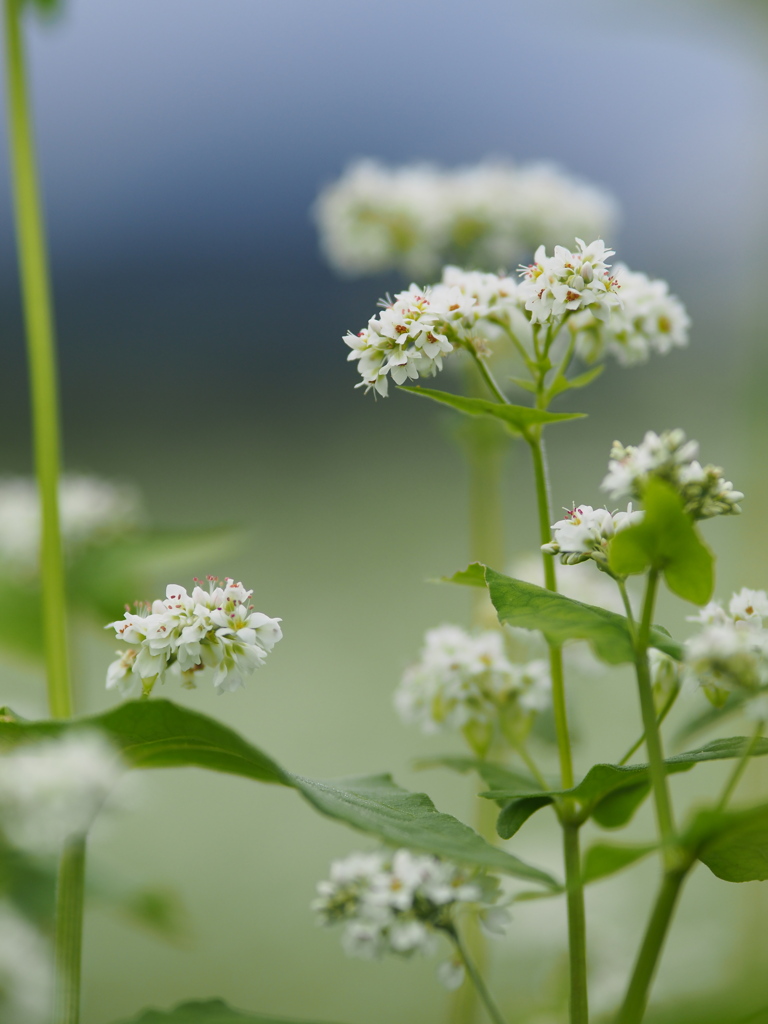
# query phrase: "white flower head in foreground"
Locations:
[[567, 282], [731, 651], [649, 319], [398, 902], [586, 532], [90, 509], [463, 681], [26, 971], [670, 457], [209, 628], [54, 788]]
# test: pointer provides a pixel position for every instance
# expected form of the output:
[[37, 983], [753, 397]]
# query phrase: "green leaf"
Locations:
[[207, 1011], [733, 844], [562, 383], [517, 417], [472, 576], [611, 793], [560, 618], [604, 859], [668, 541], [524, 383], [159, 734]]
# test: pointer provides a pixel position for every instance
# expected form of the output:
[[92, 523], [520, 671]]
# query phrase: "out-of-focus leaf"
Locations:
[[495, 776], [733, 844], [604, 859], [207, 1011], [159, 734], [666, 539], [517, 417], [560, 618]]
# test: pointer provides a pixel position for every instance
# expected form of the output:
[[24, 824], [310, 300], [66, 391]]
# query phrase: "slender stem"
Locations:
[[488, 1001], [38, 318], [577, 924], [69, 931], [627, 605], [635, 1001], [488, 377], [530, 764], [667, 707], [579, 1011], [652, 734], [740, 767]]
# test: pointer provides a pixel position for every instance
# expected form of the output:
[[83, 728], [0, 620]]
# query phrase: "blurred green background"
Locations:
[[201, 358]]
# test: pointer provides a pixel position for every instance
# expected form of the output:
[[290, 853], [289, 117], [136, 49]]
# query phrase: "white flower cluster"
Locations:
[[398, 902], [568, 281], [586, 532], [668, 456], [731, 651], [90, 509], [416, 217], [26, 971], [462, 681], [54, 788], [649, 319], [213, 628]]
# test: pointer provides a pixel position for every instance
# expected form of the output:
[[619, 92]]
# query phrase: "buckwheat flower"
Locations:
[[417, 217], [186, 633], [648, 319], [670, 457], [399, 902], [535, 685], [727, 657], [90, 509], [405, 341], [586, 532], [54, 788], [26, 971], [749, 606], [569, 281]]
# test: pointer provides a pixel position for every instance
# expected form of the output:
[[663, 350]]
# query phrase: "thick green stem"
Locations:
[[740, 767], [476, 978], [38, 318], [579, 1012], [652, 733], [633, 1008], [69, 931]]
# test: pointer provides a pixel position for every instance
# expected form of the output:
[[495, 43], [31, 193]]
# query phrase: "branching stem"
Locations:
[[477, 980]]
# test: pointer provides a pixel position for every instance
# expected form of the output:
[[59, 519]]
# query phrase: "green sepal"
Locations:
[[519, 418], [666, 540], [160, 734]]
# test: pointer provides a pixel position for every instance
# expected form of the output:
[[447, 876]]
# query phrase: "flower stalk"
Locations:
[[68, 942]]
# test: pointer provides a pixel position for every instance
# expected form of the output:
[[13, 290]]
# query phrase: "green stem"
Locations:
[[530, 764], [579, 1011], [69, 931], [667, 707], [476, 978], [633, 1008], [38, 318], [652, 735], [740, 767], [488, 377]]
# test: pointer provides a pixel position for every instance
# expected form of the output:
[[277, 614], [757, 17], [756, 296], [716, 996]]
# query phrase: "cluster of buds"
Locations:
[[398, 903], [209, 628], [731, 651], [669, 457], [417, 217], [465, 682], [586, 532]]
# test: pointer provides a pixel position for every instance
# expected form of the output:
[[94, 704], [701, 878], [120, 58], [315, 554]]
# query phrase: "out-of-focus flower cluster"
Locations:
[[586, 532], [570, 281], [54, 788], [398, 902], [668, 456], [209, 628], [730, 653], [417, 217], [466, 682], [647, 320], [90, 510], [26, 971]]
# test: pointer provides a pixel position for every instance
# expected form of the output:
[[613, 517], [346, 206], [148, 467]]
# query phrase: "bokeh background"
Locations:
[[182, 146]]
